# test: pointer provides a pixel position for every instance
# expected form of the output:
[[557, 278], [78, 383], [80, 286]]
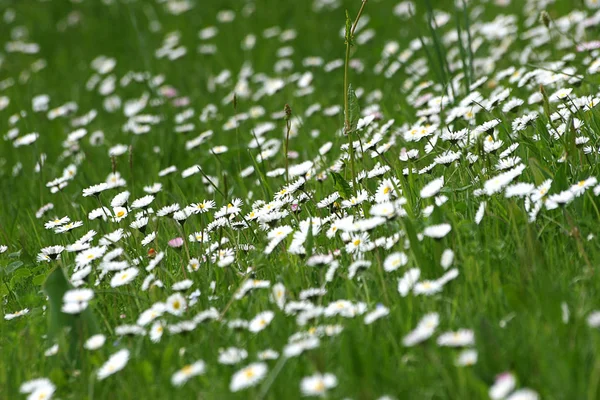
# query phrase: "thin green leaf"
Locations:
[[354, 109]]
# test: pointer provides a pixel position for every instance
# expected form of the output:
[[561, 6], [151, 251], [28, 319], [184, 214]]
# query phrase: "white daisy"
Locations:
[[248, 376], [114, 364]]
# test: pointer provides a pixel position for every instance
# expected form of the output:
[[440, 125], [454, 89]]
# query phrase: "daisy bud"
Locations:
[[131, 157], [546, 102], [545, 18]]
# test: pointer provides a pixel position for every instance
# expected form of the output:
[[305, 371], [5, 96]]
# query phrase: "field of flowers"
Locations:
[[230, 199]]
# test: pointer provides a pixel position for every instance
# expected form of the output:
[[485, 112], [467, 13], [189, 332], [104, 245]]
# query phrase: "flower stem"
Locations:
[[347, 129]]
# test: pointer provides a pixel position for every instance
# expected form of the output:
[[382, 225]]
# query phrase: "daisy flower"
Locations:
[[466, 358], [95, 342], [120, 200], [278, 295], [176, 304], [360, 197], [424, 330], [142, 202], [379, 312], [395, 261], [248, 376], [50, 253], [358, 243], [261, 321], [68, 227], [95, 190], [437, 231], [202, 207], [504, 384], [232, 208], [182, 285], [460, 338], [56, 222], [189, 371], [232, 355], [114, 364], [268, 354], [124, 277], [329, 200], [193, 265], [432, 188], [167, 210], [276, 235], [407, 282], [85, 257], [447, 258], [78, 295], [16, 314], [140, 224], [427, 288], [317, 384], [156, 331], [34, 386], [580, 187], [298, 347], [42, 392], [119, 213]]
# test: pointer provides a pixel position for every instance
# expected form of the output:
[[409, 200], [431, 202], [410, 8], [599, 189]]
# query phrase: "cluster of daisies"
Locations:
[[467, 138]]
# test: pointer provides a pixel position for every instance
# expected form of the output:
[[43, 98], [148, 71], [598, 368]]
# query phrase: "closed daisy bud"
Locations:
[[545, 18]]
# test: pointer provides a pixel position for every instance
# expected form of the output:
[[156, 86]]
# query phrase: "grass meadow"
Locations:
[[282, 199]]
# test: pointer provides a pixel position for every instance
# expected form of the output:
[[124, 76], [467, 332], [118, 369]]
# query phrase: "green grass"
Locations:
[[515, 276]]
